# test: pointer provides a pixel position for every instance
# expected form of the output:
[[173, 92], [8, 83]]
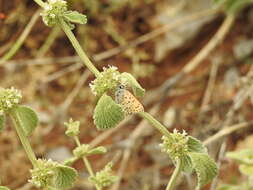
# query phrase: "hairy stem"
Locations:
[[26, 145], [86, 162], [78, 48], [174, 176], [155, 123]]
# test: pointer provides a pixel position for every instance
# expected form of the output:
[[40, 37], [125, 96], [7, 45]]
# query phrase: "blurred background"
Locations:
[[152, 39]]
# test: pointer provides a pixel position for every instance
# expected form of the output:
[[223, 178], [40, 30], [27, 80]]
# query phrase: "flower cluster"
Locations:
[[104, 178], [176, 145], [48, 174], [72, 128], [43, 174], [9, 98], [53, 10], [109, 79]]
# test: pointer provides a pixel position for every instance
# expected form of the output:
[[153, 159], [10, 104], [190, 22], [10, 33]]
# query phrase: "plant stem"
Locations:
[[155, 123], [78, 48], [49, 41], [19, 42], [26, 145], [174, 176], [86, 162]]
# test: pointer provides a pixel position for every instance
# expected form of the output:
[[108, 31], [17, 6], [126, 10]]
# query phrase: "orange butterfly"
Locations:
[[127, 100]]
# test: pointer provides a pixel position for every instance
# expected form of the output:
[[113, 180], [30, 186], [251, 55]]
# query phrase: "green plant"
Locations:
[[188, 154], [47, 174]]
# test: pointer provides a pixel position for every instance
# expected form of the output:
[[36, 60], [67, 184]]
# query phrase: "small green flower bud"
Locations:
[[52, 175], [72, 128], [9, 98], [175, 145], [108, 80], [43, 174], [104, 178], [81, 151], [53, 10]]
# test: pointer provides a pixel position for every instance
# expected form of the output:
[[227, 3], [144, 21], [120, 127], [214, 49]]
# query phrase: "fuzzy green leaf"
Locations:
[[64, 177], [244, 156], [107, 113], [27, 118], [2, 122], [97, 150], [75, 17], [186, 164], [204, 167], [4, 188], [194, 145], [133, 83], [70, 161]]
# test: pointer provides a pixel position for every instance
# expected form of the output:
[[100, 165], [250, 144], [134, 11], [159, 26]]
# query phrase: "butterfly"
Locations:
[[127, 100]]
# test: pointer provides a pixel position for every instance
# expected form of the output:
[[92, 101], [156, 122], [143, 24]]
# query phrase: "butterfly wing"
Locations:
[[129, 103]]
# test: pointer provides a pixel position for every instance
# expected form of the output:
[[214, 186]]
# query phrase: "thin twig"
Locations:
[[226, 131], [54, 33], [210, 85], [127, 152], [238, 100], [65, 105], [61, 72], [112, 52], [155, 33], [21, 38], [204, 52]]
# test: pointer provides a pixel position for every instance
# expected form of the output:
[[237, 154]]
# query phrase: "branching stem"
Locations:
[[86, 162]]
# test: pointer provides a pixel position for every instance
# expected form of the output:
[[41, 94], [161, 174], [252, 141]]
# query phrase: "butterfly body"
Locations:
[[127, 100]]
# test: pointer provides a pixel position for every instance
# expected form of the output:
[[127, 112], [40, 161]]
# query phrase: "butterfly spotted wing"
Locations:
[[127, 100]]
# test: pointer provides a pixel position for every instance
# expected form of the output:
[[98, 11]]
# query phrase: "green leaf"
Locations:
[[204, 167], [186, 164], [107, 113], [2, 122], [70, 161], [4, 188], [194, 145], [27, 118], [64, 177], [97, 150], [75, 17], [246, 169], [244, 156], [133, 83]]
